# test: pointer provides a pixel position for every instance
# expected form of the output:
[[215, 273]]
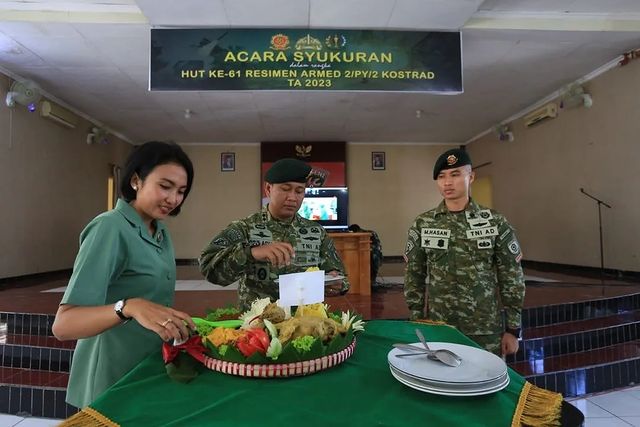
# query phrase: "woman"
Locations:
[[118, 301]]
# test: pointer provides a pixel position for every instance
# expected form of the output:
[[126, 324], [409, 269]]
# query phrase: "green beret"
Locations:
[[450, 160], [287, 170]]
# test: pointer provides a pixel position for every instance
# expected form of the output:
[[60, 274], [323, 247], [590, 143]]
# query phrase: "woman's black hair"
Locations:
[[147, 157]]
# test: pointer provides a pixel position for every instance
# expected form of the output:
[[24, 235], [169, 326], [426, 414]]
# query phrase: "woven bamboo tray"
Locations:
[[280, 370]]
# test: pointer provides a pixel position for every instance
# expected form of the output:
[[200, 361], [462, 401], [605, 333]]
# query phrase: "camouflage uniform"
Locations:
[[228, 257], [472, 259], [376, 255]]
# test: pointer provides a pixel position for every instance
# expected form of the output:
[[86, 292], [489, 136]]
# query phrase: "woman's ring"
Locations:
[[165, 323]]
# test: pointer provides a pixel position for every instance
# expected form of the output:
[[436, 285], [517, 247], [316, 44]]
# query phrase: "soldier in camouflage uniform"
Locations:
[[274, 241], [471, 257]]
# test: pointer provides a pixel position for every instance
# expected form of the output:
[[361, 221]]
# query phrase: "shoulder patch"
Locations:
[[409, 247], [233, 235], [514, 247], [505, 233], [221, 241]]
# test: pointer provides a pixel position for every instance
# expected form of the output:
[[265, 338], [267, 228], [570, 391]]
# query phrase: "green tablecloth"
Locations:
[[359, 392]]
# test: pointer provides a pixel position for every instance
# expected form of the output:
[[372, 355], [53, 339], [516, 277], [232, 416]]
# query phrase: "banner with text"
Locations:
[[305, 59]]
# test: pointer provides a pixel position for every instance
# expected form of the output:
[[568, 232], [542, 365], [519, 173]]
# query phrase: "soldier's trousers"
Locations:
[[492, 343]]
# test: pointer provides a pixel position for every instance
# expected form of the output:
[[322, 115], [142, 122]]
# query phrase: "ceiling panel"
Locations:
[[272, 13], [102, 69]]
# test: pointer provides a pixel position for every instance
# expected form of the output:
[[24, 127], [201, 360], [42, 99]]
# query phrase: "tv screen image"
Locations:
[[324, 208], [327, 206]]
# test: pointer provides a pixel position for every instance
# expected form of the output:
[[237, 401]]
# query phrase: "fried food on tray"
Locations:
[[290, 329], [273, 313], [220, 336]]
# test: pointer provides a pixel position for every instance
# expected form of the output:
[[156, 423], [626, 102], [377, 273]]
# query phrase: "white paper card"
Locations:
[[301, 288]]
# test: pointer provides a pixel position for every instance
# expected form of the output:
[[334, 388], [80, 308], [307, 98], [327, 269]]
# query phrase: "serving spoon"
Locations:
[[445, 356]]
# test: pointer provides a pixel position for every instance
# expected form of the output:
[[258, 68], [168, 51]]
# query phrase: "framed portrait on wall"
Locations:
[[378, 162], [228, 162]]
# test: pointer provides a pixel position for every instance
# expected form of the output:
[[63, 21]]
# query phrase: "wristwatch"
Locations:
[[516, 332], [118, 307]]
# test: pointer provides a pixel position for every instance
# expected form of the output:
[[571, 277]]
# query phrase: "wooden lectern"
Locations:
[[355, 251]]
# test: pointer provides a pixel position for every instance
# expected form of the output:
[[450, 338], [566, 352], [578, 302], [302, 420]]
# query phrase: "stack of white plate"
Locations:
[[479, 373]]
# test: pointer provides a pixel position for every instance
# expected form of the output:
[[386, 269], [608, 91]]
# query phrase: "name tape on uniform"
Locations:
[[435, 232], [482, 232]]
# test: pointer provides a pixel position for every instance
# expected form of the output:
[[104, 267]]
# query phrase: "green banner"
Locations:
[[305, 59]]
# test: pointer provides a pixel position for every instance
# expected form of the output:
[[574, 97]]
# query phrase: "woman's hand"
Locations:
[[164, 321], [73, 322]]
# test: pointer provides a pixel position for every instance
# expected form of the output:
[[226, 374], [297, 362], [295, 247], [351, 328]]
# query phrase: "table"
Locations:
[[359, 392], [355, 252]]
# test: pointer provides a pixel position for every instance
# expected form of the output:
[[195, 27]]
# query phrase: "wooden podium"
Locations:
[[355, 251]]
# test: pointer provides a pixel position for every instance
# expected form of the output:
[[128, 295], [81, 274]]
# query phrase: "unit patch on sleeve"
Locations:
[[514, 247], [409, 247]]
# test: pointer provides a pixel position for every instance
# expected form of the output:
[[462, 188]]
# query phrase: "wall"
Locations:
[[536, 178], [51, 184], [216, 198]]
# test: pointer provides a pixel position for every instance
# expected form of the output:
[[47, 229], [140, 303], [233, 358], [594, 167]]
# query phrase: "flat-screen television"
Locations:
[[328, 206]]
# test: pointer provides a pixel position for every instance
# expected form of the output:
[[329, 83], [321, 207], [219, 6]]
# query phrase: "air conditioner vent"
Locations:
[[549, 111], [58, 114]]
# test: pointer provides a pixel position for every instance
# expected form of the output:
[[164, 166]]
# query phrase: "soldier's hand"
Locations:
[[278, 254], [510, 344]]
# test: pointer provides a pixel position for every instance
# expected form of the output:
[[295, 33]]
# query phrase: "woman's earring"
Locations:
[[135, 187]]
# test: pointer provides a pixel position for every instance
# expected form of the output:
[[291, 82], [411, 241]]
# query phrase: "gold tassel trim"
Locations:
[[88, 417], [537, 407]]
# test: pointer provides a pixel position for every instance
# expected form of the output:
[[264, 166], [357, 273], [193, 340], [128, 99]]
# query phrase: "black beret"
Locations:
[[287, 170], [450, 160]]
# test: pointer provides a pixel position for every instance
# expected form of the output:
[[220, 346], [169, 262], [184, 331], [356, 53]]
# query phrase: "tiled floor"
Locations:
[[613, 409], [13, 420]]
